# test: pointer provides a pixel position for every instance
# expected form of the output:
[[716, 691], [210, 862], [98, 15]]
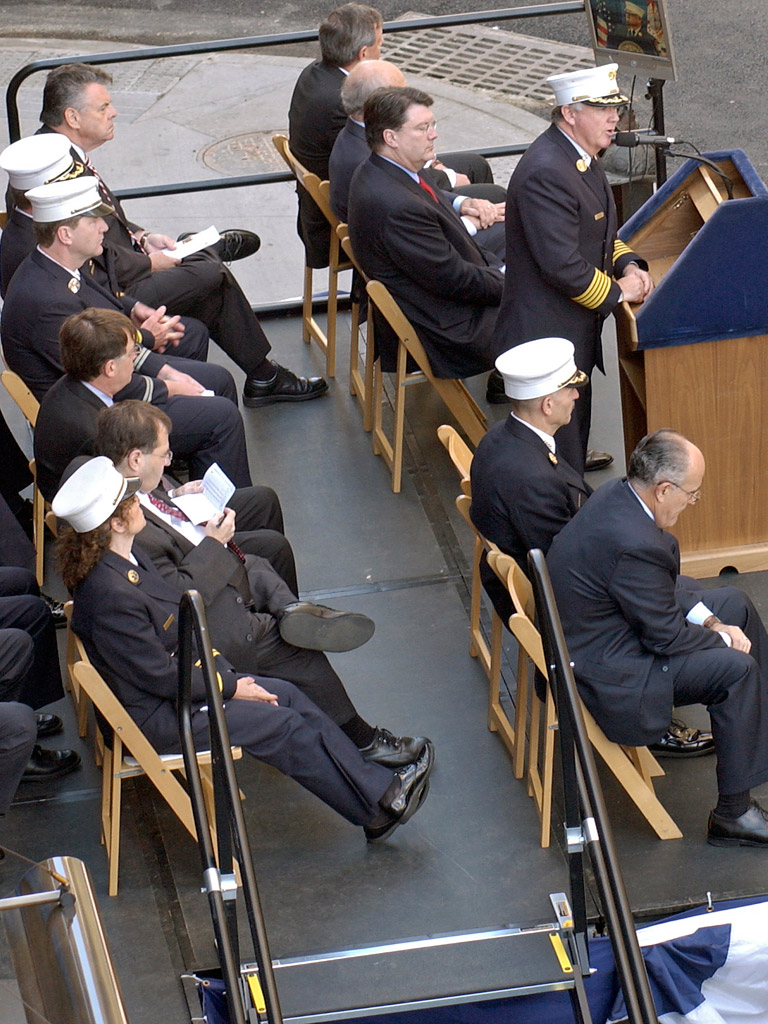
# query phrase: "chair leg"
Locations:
[[38, 533], [521, 713], [550, 726], [368, 376], [399, 425], [113, 838], [306, 312], [477, 645], [333, 303]]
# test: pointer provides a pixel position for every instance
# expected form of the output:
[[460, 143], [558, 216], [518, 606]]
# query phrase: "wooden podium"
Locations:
[[694, 357]]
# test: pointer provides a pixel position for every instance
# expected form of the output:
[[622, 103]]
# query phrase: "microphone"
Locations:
[[631, 139]]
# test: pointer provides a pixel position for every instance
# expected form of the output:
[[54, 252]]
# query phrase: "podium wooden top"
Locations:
[[705, 254]]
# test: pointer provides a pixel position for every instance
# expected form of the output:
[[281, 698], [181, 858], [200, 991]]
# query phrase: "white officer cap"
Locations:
[[540, 368], [36, 160], [62, 200], [595, 86], [90, 496], [635, 9]]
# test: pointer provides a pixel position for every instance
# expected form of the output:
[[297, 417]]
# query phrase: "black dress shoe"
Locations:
[[49, 764], [494, 389], [233, 244], [394, 751], [285, 386], [48, 724], [412, 792], [56, 609], [318, 628], [236, 244], [597, 460], [681, 740], [749, 829]]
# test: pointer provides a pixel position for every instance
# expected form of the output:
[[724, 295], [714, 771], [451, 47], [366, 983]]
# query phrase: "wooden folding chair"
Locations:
[[132, 754], [453, 392], [633, 767], [29, 407], [320, 193], [360, 384]]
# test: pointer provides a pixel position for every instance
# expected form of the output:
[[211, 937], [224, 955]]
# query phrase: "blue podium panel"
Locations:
[[694, 356]]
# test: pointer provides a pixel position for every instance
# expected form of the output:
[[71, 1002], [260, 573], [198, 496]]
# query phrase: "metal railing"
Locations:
[[256, 43]]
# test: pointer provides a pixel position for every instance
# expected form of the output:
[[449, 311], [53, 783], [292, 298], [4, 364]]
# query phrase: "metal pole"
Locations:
[[598, 835], [231, 821], [656, 93]]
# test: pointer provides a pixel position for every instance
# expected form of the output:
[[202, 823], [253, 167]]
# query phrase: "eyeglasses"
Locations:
[[166, 456], [423, 129], [693, 496]]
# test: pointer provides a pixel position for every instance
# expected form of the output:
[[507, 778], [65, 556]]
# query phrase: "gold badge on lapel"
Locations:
[[74, 285], [168, 622], [582, 165], [133, 576], [552, 458], [599, 216]]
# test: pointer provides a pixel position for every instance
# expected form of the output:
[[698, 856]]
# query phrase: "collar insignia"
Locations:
[[74, 285], [552, 458], [133, 576], [581, 165]]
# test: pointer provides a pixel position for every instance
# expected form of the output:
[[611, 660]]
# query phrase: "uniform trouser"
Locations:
[[37, 680], [734, 689], [18, 732], [208, 430], [300, 741], [201, 286], [267, 654], [259, 530]]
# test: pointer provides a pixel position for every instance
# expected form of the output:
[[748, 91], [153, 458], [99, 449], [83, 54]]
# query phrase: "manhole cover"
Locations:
[[249, 153]]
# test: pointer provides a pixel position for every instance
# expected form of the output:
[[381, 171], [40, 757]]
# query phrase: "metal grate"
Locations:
[[508, 65]]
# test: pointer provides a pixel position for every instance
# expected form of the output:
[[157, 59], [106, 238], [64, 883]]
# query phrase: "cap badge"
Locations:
[[582, 165], [552, 458], [74, 285], [133, 576]]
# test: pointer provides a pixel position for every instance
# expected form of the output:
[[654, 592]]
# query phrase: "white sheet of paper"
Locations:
[[194, 243], [217, 490]]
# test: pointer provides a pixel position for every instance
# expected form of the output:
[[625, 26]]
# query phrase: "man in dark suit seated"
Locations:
[[642, 639], [349, 36], [409, 237], [524, 491], [480, 216], [255, 618], [97, 348], [77, 104]]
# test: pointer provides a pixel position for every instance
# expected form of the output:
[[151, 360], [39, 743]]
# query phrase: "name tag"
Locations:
[[168, 623], [599, 216]]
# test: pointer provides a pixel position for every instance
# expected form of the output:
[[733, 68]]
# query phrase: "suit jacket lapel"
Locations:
[[592, 176], [527, 436], [178, 538]]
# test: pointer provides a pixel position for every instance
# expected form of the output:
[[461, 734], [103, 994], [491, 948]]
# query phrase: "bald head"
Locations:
[[363, 79]]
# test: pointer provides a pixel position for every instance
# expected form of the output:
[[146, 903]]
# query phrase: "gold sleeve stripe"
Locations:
[[620, 249], [594, 296]]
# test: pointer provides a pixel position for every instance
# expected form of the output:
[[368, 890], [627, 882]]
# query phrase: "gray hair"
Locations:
[[662, 455], [346, 31], [64, 88], [556, 113]]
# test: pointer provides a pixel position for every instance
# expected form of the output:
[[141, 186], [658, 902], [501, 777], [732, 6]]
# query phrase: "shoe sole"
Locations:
[[314, 633], [694, 753], [255, 403], [725, 841], [58, 774]]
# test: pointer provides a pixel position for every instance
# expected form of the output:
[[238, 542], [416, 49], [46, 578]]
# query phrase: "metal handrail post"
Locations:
[[194, 635], [596, 827]]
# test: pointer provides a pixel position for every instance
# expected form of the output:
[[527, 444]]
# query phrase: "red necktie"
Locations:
[[427, 188], [176, 513]]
